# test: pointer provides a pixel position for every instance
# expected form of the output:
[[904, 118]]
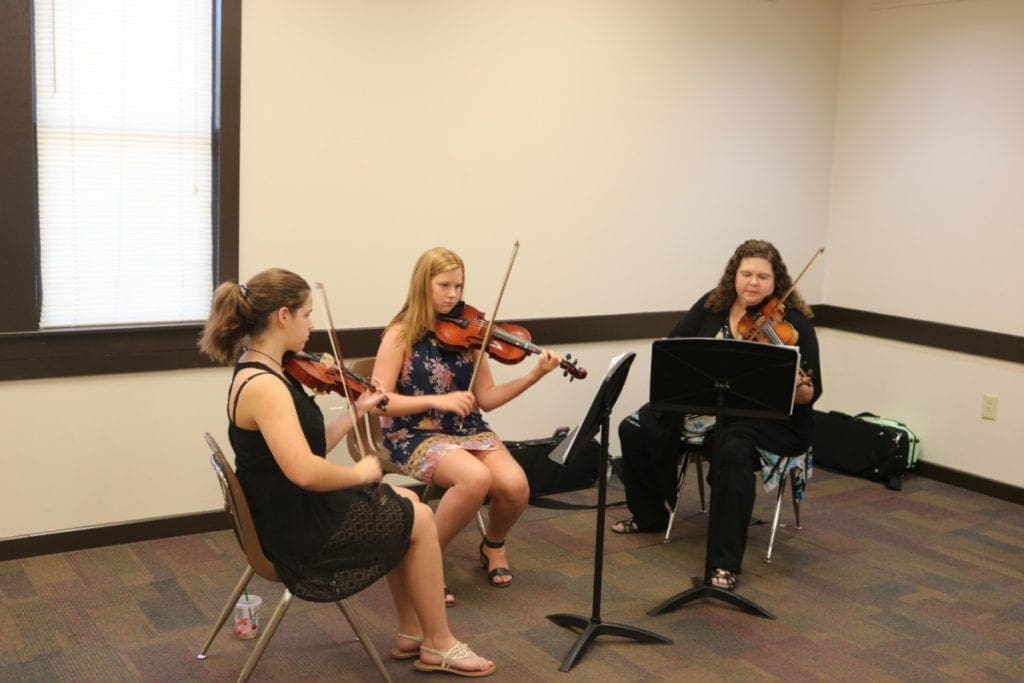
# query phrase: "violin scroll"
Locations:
[[570, 368]]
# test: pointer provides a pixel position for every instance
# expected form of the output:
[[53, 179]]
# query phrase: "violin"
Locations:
[[308, 370], [465, 327], [767, 325]]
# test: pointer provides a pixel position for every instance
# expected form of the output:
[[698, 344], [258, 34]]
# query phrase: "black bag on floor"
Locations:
[[851, 445], [546, 476]]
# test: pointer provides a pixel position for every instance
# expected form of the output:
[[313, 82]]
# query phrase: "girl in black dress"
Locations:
[[329, 529]]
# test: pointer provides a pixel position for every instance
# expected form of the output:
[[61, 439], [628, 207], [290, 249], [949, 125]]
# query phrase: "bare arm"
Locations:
[[340, 426], [267, 405], [490, 395]]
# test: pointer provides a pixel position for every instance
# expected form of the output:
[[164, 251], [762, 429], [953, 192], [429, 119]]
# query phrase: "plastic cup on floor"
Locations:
[[247, 616]]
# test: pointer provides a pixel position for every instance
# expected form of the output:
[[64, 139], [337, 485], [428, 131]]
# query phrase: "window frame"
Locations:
[[26, 351]]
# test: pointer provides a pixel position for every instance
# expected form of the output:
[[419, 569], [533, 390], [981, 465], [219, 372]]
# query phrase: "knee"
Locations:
[[423, 526], [514, 491], [629, 437], [474, 482]]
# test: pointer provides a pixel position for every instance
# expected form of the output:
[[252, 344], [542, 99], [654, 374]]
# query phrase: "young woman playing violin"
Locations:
[[755, 278], [433, 426], [330, 530]]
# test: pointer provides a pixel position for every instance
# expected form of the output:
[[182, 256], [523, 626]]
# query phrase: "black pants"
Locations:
[[732, 482], [649, 455]]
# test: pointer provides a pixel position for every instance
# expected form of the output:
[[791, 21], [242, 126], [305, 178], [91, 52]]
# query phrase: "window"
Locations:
[[142, 332], [124, 96]]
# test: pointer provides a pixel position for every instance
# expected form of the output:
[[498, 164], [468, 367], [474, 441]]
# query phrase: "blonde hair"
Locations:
[[725, 293], [240, 313], [417, 315]]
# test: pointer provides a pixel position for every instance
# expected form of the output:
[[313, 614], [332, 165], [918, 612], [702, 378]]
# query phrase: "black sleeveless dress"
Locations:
[[325, 546]]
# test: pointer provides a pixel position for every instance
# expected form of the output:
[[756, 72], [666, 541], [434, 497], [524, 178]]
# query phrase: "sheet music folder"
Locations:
[[689, 374]]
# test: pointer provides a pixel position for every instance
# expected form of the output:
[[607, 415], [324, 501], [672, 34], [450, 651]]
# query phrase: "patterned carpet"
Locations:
[[924, 584]]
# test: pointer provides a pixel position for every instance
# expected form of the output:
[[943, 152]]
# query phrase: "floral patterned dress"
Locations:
[[418, 442]]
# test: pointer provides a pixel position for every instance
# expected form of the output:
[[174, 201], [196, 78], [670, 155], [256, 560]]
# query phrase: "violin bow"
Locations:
[[810, 263], [760, 324], [493, 316], [336, 348]]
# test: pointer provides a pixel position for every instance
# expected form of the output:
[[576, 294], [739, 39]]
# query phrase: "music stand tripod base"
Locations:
[[592, 628], [703, 590]]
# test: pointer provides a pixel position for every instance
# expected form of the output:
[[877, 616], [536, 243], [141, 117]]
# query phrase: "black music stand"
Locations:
[[724, 378], [597, 418]]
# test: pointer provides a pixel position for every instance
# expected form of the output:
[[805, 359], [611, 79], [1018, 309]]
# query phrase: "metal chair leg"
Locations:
[[680, 480], [698, 461], [363, 638], [226, 612], [796, 503], [775, 521], [264, 639]]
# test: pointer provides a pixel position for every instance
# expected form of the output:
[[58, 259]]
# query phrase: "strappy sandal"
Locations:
[[399, 653], [485, 562], [455, 652], [627, 526], [727, 580]]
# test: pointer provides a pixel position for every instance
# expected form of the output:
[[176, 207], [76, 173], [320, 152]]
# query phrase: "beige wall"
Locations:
[[928, 188], [927, 200], [628, 146]]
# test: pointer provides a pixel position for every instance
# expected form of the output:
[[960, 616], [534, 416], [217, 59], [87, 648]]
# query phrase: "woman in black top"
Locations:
[[650, 441], [329, 529]]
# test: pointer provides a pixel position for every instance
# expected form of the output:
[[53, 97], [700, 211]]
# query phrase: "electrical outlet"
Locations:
[[989, 406]]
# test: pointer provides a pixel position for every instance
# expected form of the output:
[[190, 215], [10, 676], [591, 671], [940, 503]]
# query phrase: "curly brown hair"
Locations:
[[724, 294]]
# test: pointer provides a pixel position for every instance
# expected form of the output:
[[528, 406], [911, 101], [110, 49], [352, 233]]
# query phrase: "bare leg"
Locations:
[[467, 481], [510, 494], [416, 590]]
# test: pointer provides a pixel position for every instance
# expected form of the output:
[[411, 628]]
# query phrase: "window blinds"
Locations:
[[124, 97]]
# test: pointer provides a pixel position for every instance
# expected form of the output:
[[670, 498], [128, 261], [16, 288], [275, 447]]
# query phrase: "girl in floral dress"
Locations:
[[433, 427]]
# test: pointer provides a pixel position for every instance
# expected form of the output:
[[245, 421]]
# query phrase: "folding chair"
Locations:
[[237, 508], [691, 449]]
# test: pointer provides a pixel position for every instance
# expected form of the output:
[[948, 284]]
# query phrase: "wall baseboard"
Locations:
[[202, 522], [112, 534], [971, 482]]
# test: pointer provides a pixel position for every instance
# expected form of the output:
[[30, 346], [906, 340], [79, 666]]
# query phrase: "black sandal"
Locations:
[[727, 578], [486, 564], [628, 526]]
